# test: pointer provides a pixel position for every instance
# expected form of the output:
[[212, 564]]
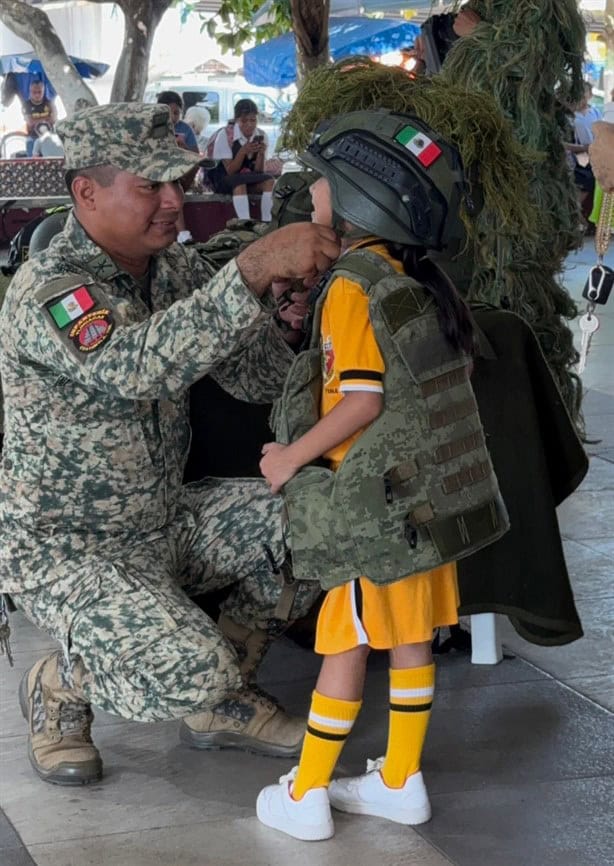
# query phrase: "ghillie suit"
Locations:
[[528, 218], [528, 55]]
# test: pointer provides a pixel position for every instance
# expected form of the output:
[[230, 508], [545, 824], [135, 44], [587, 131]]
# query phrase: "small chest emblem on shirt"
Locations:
[[92, 330], [328, 360]]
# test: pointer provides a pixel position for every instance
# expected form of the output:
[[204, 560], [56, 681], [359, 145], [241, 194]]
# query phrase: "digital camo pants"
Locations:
[[122, 605]]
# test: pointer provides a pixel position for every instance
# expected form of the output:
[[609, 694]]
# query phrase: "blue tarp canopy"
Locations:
[[273, 63], [27, 67]]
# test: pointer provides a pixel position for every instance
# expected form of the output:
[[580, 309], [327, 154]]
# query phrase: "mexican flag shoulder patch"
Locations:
[[71, 306]]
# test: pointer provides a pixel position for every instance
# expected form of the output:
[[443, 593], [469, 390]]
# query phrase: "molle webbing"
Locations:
[[464, 445], [466, 476], [455, 412], [443, 383]]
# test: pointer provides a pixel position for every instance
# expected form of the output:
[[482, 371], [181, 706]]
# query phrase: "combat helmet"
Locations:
[[392, 176]]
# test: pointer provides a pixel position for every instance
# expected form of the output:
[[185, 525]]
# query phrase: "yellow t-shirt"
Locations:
[[351, 359]]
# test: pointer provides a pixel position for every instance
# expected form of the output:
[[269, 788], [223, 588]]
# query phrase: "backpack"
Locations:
[[417, 488], [229, 130], [20, 243]]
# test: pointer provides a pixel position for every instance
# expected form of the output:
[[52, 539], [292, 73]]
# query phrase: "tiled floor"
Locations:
[[519, 759]]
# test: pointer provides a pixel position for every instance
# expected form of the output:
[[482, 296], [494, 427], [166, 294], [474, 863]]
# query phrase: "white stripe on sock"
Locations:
[[426, 692], [331, 723]]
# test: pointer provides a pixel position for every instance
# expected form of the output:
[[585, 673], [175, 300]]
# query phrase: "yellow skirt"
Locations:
[[405, 612]]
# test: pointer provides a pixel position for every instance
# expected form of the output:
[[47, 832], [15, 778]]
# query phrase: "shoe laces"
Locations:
[[289, 777], [375, 764]]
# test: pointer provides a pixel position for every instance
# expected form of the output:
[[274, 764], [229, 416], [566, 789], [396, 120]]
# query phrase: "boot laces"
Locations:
[[289, 777], [76, 719], [259, 695]]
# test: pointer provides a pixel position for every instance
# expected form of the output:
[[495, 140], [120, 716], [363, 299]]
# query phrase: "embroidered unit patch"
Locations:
[[71, 307], [423, 148], [328, 360], [92, 330]]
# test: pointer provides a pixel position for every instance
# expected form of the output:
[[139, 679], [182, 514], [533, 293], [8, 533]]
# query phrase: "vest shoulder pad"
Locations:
[[398, 296]]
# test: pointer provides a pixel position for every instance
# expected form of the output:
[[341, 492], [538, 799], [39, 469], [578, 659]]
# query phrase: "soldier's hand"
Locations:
[[297, 251], [601, 154]]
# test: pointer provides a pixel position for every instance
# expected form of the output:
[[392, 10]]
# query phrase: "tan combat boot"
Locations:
[[248, 719], [60, 747]]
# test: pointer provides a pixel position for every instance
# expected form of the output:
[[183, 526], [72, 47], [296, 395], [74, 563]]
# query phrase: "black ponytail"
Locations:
[[452, 311]]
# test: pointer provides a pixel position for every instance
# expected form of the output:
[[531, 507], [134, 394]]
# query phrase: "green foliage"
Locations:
[[232, 26]]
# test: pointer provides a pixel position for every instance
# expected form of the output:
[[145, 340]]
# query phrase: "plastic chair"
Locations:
[[13, 145]]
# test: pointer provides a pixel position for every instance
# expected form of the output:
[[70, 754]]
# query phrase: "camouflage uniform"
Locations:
[[100, 544]]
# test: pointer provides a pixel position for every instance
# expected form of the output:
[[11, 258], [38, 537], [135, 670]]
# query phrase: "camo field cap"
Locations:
[[133, 136]]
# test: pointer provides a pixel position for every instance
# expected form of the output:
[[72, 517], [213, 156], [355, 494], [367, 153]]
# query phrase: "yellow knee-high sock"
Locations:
[[411, 696], [329, 723]]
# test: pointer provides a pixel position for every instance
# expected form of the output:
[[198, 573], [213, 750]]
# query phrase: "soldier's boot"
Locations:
[[247, 719], [60, 747]]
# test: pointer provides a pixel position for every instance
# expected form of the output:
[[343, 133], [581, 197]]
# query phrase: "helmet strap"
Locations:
[[341, 226]]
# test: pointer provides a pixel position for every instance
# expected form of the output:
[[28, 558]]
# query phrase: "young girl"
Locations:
[[359, 616], [241, 166]]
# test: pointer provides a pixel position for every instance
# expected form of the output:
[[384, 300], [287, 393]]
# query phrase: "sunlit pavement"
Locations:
[[518, 762]]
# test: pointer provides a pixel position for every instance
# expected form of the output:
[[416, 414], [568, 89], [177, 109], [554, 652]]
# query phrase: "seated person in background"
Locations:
[[198, 118], [48, 142], [183, 131], [184, 135], [37, 110], [241, 167]]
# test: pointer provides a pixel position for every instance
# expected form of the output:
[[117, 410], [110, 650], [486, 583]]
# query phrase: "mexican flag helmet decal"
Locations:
[[391, 176]]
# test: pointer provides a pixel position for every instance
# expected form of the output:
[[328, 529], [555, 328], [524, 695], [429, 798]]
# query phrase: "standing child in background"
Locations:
[[241, 162], [38, 112], [392, 189]]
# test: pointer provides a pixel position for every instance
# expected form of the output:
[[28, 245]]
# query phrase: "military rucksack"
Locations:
[[20, 243], [417, 488], [227, 243]]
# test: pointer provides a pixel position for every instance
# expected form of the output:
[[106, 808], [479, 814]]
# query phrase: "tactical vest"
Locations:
[[417, 488]]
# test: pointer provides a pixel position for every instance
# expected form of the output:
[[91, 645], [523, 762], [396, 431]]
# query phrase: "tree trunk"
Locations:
[[33, 25], [141, 17], [310, 25]]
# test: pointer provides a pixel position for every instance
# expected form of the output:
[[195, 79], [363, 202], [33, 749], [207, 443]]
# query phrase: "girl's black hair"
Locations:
[[245, 106], [453, 313]]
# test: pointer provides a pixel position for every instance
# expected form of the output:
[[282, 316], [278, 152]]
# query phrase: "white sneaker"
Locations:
[[369, 795], [308, 819]]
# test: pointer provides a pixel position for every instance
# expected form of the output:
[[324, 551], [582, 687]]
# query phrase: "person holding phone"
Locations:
[[241, 151]]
